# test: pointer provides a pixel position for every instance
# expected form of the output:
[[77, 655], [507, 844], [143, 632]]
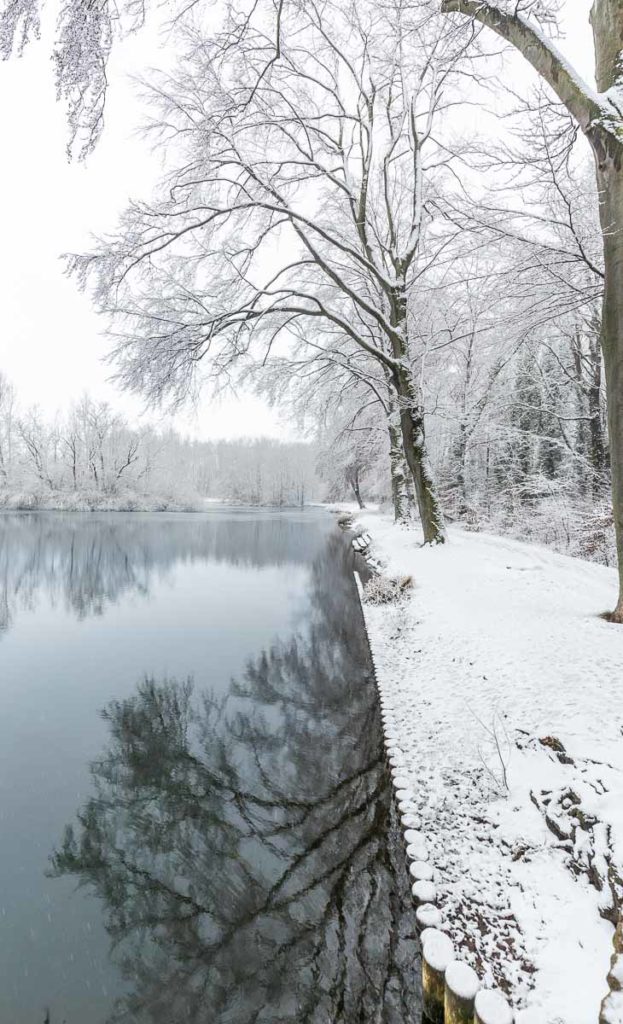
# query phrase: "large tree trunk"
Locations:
[[459, 452], [607, 22], [397, 470], [601, 121], [416, 454], [402, 493], [610, 181], [412, 426]]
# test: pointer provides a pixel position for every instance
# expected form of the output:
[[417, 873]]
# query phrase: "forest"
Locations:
[[91, 458]]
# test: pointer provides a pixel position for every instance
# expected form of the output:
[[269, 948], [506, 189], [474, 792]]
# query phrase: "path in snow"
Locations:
[[498, 648]]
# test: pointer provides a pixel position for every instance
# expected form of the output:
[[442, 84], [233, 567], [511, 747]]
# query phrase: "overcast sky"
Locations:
[[50, 339], [51, 343]]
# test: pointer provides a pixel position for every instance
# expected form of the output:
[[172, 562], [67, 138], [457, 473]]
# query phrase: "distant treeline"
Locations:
[[92, 458]]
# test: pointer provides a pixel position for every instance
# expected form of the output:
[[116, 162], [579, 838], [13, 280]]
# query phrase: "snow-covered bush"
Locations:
[[385, 589], [26, 501]]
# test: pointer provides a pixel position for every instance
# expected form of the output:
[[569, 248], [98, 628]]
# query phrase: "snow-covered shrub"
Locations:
[[27, 501], [595, 539], [385, 589]]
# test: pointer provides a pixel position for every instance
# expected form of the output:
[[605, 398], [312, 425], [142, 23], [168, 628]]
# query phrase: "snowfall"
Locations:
[[502, 695]]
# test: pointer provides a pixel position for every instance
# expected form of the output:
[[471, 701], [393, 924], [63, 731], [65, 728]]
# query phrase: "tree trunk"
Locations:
[[402, 497], [416, 454], [412, 426], [610, 181], [354, 483], [607, 22], [460, 456], [597, 441]]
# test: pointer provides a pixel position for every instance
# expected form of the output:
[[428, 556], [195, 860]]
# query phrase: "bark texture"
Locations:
[[412, 425], [611, 213], [401, 491], [433, 986], [429, 507], [607, 22], [457, 1008]]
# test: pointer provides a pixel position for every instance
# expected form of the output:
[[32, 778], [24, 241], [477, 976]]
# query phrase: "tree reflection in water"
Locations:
[[244, 849], [86, 562]]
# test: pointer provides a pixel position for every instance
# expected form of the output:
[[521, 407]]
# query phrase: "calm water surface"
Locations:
[[195, 816]]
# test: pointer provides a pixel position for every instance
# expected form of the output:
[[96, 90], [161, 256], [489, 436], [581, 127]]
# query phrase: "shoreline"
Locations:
[[199, 507], [484, 673]]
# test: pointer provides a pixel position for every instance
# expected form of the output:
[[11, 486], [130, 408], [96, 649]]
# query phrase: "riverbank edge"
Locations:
[[409, 803], [73, 504], [445, 999]]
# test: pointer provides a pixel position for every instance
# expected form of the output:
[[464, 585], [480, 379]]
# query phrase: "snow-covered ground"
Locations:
[[85, 500], [503, 692]]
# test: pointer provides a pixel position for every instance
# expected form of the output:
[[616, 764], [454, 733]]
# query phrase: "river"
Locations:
[[196, 822]]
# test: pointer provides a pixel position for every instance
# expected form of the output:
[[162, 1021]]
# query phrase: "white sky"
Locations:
[[51, 345]]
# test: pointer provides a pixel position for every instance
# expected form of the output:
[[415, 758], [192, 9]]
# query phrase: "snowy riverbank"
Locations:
[[503, 688], [96, 501], [122, 501]]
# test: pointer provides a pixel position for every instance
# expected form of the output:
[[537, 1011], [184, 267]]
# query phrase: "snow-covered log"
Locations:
[[460, 993], [413, 835], [419, 870], [437, 953], [404, 794], [417, 851], [428, 916], [424, 891], [491, 1007]]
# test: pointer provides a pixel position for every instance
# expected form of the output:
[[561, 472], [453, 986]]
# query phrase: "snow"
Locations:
[[439, 950], [421, 871], [492, 1008], [428, 916], [614, 1013], [424, 892], [462, 979], [415, 851], [502, 702]]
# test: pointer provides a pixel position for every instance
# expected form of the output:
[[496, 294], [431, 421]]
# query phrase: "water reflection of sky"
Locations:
[[233, 836]]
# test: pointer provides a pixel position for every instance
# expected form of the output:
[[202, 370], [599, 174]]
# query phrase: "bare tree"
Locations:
[[343, 397], [599, 116], [32, 437], [302, 199]]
